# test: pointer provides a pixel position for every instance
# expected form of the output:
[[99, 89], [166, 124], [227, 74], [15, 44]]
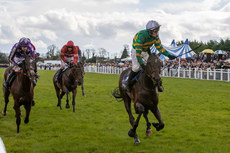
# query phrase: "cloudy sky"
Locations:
[[109, 24]]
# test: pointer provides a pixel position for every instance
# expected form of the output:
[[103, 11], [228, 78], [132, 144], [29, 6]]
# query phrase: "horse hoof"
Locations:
[[131, 133], [67, 106], [26, 121], [148, 132], [158, 126], [33, 103], [58, 105], [4, 114], [136, 141]]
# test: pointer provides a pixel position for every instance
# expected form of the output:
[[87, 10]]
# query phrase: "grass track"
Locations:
[[196, 115]]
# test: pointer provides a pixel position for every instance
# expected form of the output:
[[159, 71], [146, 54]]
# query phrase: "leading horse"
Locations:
[[144, 94], [71, 78], [22, 89]]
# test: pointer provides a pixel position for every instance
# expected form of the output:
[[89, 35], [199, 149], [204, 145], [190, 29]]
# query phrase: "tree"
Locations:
[[83, 58], [93, 51], [3, 58], [125, 52], [102, 52], [88, 53], [52, 52]]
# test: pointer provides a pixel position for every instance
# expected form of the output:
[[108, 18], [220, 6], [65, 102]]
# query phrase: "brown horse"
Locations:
[[144, 94], [71, 78], [22, 89]]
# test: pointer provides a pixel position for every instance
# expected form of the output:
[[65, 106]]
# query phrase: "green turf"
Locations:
[[196, 114]]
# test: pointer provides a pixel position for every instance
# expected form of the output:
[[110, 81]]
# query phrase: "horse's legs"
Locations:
[[67, 100], [18, 114], [157, 114], [6, 97], [59, 99], [74, 95], [58, 95], [140, 109], [132, 132], [28, 108], [148, 131], [83, 90], [127, 103]]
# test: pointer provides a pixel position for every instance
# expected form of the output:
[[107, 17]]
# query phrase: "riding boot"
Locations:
[[130, 81], [9, 80], [160, 87]]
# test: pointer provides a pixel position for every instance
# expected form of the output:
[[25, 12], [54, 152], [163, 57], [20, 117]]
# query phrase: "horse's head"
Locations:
[[153, 67], [77, 73], [29, 67]]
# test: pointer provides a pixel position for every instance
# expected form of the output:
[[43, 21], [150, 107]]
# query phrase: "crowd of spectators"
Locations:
[[49, 66], [125, 64], [201, 61]]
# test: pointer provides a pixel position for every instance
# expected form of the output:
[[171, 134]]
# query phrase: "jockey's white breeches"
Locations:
[[17, 60], [135, 65], [68, 59]]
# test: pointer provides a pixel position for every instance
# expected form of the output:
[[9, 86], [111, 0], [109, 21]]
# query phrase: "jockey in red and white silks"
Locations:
[[69, 53]]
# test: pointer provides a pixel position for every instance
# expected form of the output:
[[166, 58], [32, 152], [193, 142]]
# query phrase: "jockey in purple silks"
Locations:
[[16, 58]]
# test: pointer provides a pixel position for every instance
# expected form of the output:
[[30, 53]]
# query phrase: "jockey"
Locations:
[[16, 58], [69, 55], [142, 41]]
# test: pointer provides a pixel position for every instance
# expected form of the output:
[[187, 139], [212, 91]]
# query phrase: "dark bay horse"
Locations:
[[22, 89], [144, 94], [71, 78]]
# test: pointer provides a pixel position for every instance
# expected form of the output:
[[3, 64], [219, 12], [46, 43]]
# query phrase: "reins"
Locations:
[[153, 80]]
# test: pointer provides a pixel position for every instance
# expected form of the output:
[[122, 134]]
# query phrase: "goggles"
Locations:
[[154, 30], [69, 46]]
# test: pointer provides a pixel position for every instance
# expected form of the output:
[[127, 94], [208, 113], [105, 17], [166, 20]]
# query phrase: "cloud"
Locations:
[[109, 24]]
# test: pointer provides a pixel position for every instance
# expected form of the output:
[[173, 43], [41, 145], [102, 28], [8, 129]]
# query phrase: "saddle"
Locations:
[[59, 77], [10, 79]]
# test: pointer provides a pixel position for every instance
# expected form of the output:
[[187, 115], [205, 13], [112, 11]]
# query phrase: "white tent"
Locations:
[[126, 59], [179, 51]]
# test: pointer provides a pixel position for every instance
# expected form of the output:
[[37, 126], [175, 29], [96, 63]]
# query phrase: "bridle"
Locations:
[[154, 80], [27, 66]]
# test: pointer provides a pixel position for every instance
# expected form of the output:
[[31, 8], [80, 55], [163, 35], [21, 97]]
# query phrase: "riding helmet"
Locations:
[[151, 25], [24, 42]]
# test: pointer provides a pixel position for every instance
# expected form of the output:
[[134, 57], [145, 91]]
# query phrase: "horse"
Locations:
[[22, 89], [71, 78], [144, 94]]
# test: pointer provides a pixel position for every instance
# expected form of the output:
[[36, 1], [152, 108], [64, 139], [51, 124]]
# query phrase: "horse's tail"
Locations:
[[116, 94]]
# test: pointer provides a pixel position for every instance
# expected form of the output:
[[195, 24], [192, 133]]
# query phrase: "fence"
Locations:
[[208, 74]]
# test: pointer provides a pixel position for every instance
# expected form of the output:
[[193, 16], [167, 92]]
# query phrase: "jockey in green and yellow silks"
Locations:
[[142, 41]]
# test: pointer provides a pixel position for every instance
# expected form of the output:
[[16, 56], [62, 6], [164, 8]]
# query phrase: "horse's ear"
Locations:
[[149, 51]]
